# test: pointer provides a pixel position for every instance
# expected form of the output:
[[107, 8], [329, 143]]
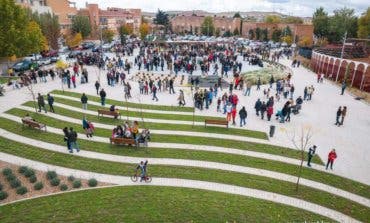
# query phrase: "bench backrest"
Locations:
[[108, 112], [221, 122], [122, 140]]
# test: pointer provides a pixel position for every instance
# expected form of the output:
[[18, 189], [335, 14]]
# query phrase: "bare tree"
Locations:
[[29, 87], [301, 141]]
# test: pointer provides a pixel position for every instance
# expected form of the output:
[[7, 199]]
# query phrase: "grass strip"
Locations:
[[195, 140], [129, 104], [161, 126], [245, 180], [152, 204]]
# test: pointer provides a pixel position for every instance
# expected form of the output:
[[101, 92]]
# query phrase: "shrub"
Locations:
[[11, 177], [55, 182], [33, 179], [1, 187], [51, 175], [71, 178], [29, 173], [22, 190], [63, 187], [77, 184], [38, 186], [15, 183], [93, 182], [7, 171], [22, 169], [3, 195]]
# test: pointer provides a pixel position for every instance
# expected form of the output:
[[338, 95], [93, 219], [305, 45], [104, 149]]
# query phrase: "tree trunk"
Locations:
[[300, 171]]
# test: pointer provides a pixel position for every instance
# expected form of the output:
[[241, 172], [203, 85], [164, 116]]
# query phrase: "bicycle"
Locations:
[[136, 176]]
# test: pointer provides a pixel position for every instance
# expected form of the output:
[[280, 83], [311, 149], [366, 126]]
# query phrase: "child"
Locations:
[[90, 130], [219, 104]]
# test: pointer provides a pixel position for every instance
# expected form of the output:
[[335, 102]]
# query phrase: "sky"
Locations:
[[290, 7]]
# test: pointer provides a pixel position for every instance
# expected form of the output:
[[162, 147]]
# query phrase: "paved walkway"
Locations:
[[187, 163], [184, 146], [156, 131], [174, 182]]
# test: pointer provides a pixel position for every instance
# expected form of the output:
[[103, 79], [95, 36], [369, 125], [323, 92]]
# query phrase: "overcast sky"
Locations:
[[290, 7]]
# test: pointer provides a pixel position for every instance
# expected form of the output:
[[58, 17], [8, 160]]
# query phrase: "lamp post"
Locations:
[[341, 55]]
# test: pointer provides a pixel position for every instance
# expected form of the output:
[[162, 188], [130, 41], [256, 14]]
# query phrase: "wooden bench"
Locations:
[[216, 122], [33, 124], [111, 113], [122, 141]]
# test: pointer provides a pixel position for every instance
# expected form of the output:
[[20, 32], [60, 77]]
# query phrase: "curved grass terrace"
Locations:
[[157, 204], [128, 104], [334, 202], [195, 140]]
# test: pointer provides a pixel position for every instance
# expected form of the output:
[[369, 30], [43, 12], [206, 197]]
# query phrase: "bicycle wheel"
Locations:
[[148, 179], [134, 178]]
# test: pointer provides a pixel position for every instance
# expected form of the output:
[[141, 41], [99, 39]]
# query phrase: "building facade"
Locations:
[[65, 10], [111, 18], [36, 6]]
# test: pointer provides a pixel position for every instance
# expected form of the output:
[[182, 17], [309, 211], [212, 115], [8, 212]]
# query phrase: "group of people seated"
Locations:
[[131, 132]]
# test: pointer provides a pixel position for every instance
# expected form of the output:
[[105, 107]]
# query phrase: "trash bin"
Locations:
[[272, 130]]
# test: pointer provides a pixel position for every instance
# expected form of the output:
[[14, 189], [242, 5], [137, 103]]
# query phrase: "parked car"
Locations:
[[54, 59], [33, 57], [74, 53], [49, 53], [63, 49], [96, 49], [44, 61], [24, 65], [87, 45]]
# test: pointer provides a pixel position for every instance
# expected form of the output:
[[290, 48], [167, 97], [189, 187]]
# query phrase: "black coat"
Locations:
[[84, 99], [257, 106], [243, 113]]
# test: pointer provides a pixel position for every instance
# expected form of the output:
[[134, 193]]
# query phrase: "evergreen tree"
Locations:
[[81, 24]]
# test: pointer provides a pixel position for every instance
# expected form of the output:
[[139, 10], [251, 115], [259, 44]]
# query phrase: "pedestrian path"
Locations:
[[183, 146], [156, 131], [188, 163], [175, 182]]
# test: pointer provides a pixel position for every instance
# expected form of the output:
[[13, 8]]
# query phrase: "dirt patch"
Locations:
[[41, 177]]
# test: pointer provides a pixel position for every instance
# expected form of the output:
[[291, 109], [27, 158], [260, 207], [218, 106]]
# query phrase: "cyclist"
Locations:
[[142, 167]]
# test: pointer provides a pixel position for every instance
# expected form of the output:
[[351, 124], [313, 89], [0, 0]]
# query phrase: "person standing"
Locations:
[[263, 110], [311, 153], [97, 86], [243, 116], [102, 96], [258, 83], [72, 137], [51, 102], [154, 91], [233, 114], [66, 138], [339, 113], [181, 98], [331, 157], [344, 86], [344, 112], [270, 112], [171, 86], [257, 106], [84, 100], [41, 102], [228, 111]]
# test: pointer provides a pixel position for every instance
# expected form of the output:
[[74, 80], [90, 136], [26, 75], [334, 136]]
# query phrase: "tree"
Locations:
[[207, 26], [251, 34], [343, 20], [237, 15], [107, 35], [273, 19], [293, 20], [49, 25], [258, 33], [161, 18], [364, 25], [287, 39], [236, 32], [276, 35], [320, 23], [144, 30], [304, 42], [227, 33], [74, 41], [36, 41], [13, 26], [287, 31], [218, 32], [301, 142], [81, 24], [124, 31], [264, 34]]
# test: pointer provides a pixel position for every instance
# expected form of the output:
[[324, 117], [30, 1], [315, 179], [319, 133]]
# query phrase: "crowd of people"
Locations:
[[129, 131]]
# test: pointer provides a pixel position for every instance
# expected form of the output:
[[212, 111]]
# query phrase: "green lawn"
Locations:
[[143, 114], [245, 180], [162, 126], [152, 204], [5, 80], [161, 152], [129, 104], [276, 150]]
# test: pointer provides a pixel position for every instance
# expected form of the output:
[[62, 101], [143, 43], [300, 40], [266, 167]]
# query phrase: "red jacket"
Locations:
[[270, 110], [332, 155], [233, 112]]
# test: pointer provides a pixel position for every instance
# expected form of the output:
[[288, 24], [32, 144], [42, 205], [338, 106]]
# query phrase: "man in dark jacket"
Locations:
[[72, 138], [41, 102], [51, 102], [84, 100], [311, 153], [102, 96], [97, 86], [263, 109], [257, 106], [243, 116]]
